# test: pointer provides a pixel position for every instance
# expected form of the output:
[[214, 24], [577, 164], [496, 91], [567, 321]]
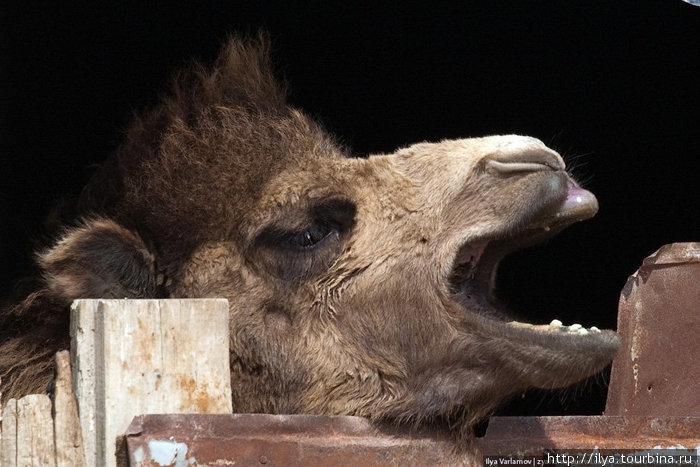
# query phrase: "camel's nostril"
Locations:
[[513, 167], [525, 157], [523, 154]]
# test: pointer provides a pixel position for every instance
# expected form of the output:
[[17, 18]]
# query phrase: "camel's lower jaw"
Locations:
[[473, 276]]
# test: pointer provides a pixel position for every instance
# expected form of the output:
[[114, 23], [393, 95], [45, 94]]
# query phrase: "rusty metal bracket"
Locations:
[[307, 440], [658, 370], [280, 440]]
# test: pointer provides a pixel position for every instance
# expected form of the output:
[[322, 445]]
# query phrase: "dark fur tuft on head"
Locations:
[[240, 77], [222, 130]]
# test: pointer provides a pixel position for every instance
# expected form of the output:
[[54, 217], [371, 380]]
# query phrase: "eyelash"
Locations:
[[310, 237], [332, 219]]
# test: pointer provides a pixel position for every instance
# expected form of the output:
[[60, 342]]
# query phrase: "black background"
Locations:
[[612, 85]]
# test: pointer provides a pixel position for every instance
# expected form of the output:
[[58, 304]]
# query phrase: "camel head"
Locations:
[[358, 286]]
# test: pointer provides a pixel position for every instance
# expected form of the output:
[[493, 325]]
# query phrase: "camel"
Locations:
[[357, 285]]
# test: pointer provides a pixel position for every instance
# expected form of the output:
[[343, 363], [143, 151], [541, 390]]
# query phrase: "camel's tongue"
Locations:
[[471, 254]]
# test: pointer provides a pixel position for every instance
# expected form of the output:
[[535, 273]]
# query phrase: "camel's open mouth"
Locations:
[[473, 274]]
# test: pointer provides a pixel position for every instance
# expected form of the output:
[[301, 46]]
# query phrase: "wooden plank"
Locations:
[[82, 359], [8, 444], [35, 444], [133, 357], [1, 410], [69, 439]]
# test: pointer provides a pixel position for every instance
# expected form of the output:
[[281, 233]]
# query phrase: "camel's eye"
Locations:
[[304, 241], [309, 237]]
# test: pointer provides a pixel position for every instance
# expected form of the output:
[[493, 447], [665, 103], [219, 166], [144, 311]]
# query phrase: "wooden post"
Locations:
[[132, 357], [8, 444], [67, 434], [35, 444]]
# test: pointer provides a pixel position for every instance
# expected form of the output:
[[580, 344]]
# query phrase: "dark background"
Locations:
[[612, 85]]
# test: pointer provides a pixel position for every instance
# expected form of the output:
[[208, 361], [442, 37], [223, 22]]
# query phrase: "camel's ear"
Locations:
[[100, 259]]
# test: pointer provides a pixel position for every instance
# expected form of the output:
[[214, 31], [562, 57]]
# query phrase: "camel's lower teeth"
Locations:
[[518, 324], [556, 325]]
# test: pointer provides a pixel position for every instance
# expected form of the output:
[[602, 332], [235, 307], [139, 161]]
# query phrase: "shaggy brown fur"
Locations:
[[356, 286]]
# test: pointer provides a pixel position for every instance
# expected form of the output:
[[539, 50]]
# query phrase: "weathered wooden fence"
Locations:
[[133, 357], [129, 357], [32, 436]]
